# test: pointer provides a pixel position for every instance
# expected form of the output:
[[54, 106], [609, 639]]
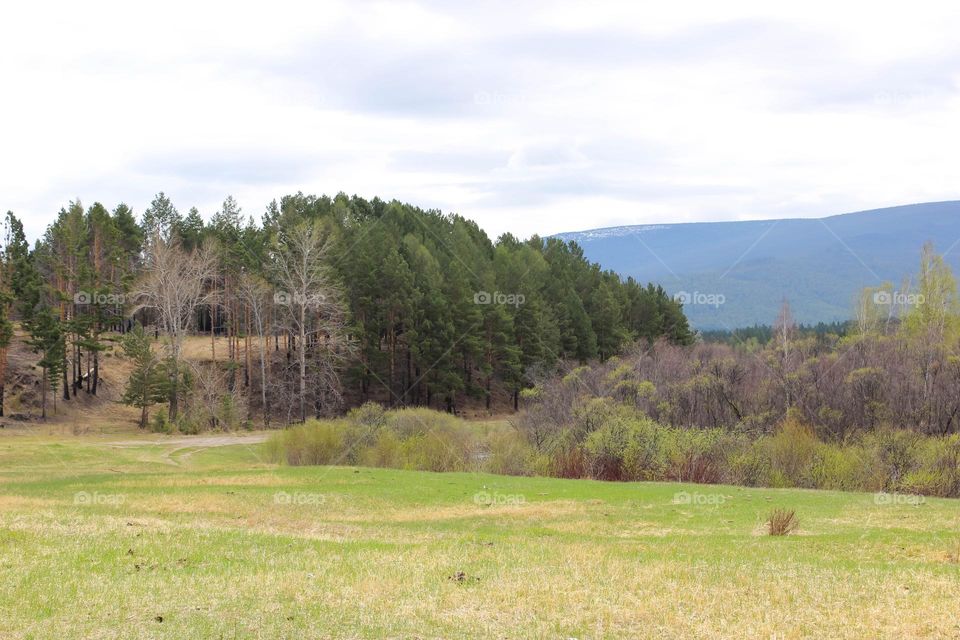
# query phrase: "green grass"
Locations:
[[193, 542]]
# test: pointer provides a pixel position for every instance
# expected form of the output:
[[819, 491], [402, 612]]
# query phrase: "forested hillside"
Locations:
[[325, 302]]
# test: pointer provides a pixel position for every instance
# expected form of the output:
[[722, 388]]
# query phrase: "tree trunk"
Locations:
[[302, 347], [96, 371], [213, 338], [174, 387], [66, 386], [263, 382], [246, 348], [43, 394]]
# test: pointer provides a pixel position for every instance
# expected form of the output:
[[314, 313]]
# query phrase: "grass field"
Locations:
[[137, 537]]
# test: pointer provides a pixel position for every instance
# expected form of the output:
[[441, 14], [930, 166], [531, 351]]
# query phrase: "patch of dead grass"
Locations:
[[433, 513], [13, 502], [250, 480]]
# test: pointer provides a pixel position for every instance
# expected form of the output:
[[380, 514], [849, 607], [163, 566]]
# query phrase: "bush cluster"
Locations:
[[607, 441], [414, 438]]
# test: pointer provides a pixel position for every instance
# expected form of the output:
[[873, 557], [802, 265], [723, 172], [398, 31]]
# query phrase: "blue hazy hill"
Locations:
[[818, 264]]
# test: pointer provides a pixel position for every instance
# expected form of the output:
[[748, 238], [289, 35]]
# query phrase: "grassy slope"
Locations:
[[200, 542]]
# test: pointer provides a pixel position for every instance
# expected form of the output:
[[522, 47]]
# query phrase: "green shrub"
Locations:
[[565, 457], [928, 482], [369, 414], [938, 472], [385, 452], [793, 452], [945, 453], [620, 373], [593, 414], [839, 468], [531, 393], [695, 455], [543, 464], [778, 480], [436, 450], [510, 454], [604, 450], [890, 455], [575, 376], [160, 423], [640, 449], [228, 415], [418, 421], [750, 466], [409, 438], [645, 456], [188, 424], [313, 443], [275, 448]]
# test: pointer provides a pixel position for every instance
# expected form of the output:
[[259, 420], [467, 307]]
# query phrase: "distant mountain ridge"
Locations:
[[735, 274]]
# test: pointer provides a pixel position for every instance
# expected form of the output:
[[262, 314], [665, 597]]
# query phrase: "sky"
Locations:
[[526, 117]]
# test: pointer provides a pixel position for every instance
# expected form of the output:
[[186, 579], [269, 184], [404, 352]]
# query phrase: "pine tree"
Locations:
[[130, 239], [12, 252], [148, 382], [162, 219], [46, 339], [607, 321], [192, 230]]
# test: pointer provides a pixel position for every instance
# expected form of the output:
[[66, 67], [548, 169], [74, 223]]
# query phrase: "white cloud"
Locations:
[[533, 118]]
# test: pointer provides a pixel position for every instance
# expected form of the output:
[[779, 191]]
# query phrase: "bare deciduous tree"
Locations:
[[215, 403], [255, 293], [174, 284], [311, 311]]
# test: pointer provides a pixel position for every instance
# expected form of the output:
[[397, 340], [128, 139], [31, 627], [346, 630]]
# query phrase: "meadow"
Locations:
[[107, 536]]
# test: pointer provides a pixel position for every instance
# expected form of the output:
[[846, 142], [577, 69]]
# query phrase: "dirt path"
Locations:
[[194, 441], [182, 447]]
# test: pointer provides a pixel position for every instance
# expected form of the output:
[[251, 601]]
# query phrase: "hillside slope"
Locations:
[[737, 273]]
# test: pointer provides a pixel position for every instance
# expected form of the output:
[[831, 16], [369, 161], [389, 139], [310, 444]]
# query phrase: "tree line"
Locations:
[[323, 303]]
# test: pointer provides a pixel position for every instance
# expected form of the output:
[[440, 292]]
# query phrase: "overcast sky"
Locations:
[[528, 117]]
